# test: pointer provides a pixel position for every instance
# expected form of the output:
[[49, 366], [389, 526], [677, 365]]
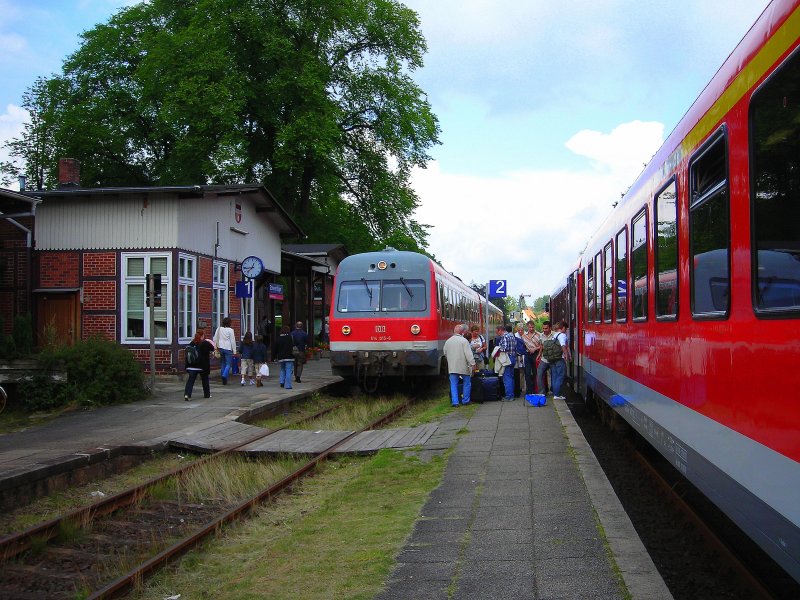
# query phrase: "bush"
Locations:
[[99, 372], [23, 334]]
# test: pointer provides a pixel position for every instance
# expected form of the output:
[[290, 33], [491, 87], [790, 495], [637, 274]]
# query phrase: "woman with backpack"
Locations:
[[198, 362]]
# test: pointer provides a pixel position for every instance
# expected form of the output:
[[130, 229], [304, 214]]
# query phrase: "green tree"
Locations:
[[312, 98]]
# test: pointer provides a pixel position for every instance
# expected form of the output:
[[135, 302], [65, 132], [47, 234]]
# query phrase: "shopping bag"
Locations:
[[263, 370]]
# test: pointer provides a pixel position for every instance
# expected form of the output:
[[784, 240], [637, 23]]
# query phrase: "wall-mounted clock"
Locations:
[[252, 267]]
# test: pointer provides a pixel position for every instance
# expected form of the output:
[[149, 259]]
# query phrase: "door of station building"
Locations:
[[58, 316]]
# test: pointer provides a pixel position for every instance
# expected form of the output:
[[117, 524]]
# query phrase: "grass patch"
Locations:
[[233, 478], [78, 496], [14, 419], [335, 537]]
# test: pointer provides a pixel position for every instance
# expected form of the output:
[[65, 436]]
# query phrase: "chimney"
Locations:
[[69, 172]]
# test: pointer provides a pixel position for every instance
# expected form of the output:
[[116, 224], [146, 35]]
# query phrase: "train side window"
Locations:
[[775, 162], [666, 249], [598, 288], [621, 289], [590, 292], [608, 283], [709, 230], [639, 266]]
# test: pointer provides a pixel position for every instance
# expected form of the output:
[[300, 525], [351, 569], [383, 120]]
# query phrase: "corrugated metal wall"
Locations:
[[124, 223]]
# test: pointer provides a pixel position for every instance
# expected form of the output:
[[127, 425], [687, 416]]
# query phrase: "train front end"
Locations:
[[383, 320]]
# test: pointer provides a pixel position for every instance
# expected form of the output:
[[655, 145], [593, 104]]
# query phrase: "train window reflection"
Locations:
[[391, 295], [621, 290], [608, 283], [666, 220], [775, 156], [639, 266], [359, 296], [709, 237]]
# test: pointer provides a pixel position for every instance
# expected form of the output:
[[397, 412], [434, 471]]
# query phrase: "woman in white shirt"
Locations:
[[225, 341]]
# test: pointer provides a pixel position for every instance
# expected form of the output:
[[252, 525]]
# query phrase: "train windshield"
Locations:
[[388, 295]]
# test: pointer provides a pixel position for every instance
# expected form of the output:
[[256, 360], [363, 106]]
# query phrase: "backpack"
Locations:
[[192, 355], [520, 346], [551, 350]]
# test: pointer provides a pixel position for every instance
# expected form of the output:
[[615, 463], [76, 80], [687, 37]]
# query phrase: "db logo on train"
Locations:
[[380, 328]]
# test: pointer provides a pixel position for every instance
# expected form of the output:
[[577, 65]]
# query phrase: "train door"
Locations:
[[571, 324]]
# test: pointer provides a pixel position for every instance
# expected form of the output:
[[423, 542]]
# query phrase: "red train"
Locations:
[[392, 312], [684, 307]]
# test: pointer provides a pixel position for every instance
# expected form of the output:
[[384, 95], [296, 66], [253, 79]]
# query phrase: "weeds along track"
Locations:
[[109, 547]]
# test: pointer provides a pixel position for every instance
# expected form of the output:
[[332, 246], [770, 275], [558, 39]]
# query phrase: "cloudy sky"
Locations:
[[549, 109]]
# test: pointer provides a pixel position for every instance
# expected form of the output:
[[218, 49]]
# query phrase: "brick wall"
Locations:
[[100, 264], [100, 325], [59, 269], [99, 295]]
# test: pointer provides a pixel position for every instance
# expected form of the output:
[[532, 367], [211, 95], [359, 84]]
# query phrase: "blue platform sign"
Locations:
[[498, 288], [244, 289]]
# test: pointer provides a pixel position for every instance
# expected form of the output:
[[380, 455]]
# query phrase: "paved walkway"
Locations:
[[516, 516], [146, 423]]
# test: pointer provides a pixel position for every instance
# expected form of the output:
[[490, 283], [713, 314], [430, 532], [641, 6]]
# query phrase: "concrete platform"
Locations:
[[524, 511]]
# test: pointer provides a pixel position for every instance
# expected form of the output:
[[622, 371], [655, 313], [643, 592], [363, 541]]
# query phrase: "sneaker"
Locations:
[[186, 398], [242, 381], [252, 382], [559, 398], [209, 396]]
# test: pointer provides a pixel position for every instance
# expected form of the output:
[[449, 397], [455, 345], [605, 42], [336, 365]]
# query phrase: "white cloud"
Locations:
[[529, 226]]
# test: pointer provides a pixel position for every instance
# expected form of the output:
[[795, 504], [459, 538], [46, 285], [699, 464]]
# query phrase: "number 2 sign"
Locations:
[[497, 288]]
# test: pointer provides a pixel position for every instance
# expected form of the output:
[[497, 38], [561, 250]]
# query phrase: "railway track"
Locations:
[[698, 551], [133, 533]]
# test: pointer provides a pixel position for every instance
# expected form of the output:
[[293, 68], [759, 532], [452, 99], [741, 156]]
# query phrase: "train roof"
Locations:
[[403, 261]]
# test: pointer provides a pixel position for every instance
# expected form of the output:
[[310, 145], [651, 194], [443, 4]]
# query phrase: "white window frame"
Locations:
[[219, 293], [141, 280], [186, 312]]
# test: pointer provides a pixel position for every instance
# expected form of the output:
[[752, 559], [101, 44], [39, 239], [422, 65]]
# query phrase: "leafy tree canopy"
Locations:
[[312, 98]]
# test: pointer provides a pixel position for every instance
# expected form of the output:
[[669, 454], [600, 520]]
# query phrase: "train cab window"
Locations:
[[666, 248], [608, 283], [359, 296], [709, 238], [775, 161], [401, 294], [639, 266], [598, 288], [621, 289]]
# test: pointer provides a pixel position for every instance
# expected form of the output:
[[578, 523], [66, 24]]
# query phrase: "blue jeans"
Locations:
[[287, 368], [530, 373], [508, 381], [454, 379], [557, 371], [225, 362]]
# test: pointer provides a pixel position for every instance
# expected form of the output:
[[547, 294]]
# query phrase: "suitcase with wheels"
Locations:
[[485, 387]]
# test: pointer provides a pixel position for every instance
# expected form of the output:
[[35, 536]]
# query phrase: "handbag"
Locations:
[[217, 354]]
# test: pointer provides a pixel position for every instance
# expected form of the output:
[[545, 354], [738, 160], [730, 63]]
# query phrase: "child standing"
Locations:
[[246, 352]]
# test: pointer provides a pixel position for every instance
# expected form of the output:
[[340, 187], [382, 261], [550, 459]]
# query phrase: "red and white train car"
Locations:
[[685, 306], [392, 312]]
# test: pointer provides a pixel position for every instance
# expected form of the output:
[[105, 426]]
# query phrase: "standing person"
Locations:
[[285, 358], [519, 365], [552, 359], [246, 352], [225, 341], [507, 346], [265, 329], [259, 357], [478, 344], [460, 364], [200, 366], [299, 343], [532, 346]]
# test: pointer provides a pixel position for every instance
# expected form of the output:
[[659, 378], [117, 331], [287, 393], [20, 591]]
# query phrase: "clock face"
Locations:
[[252, 267]]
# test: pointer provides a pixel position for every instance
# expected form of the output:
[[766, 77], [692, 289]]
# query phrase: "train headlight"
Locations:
[[346, 329], [415, 330]]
